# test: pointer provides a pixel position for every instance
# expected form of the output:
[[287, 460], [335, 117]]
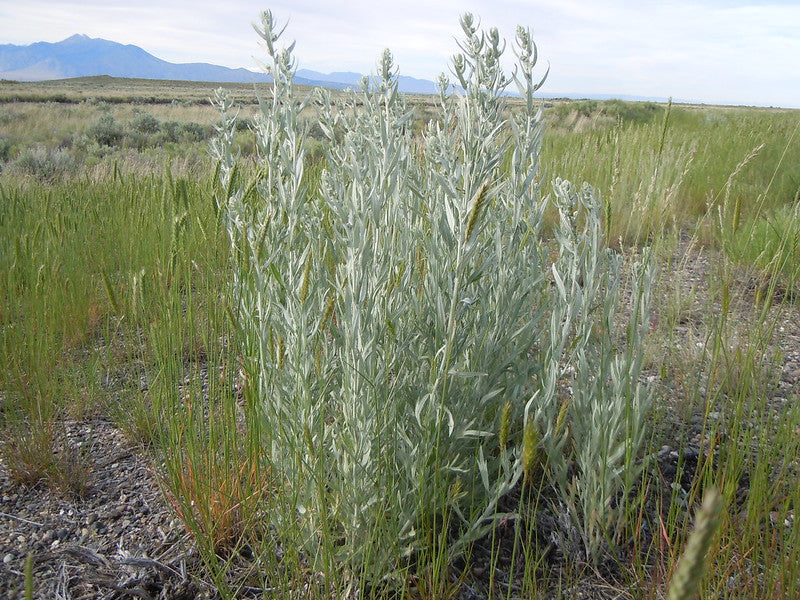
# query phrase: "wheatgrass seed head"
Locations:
[[530, 448], [328, 311], [562, 415], [477, 204], [685, 583], [505, 424], [306, 275]]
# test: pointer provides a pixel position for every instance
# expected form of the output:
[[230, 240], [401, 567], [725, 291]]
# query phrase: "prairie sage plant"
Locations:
[[407, 333]]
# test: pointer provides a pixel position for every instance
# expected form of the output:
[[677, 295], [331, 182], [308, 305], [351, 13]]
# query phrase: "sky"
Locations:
[[715, 51]]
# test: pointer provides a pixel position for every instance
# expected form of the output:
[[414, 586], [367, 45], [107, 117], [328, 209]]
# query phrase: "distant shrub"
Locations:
[[572, 108], [9, 116], [639, 112], [170, 131], [245, 145], [140, 141], [245, 124], [106, 131], [634, 112], [145, 123], [177, 131], [45, 164], [5, 148], [586, 107], [194, 132]]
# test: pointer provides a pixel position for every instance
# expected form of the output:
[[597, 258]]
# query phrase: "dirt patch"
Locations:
[[120, 540]]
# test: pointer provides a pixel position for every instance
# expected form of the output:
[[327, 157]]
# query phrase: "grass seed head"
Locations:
[[505, 424], [530, 450], [477, 204], [686, 581]]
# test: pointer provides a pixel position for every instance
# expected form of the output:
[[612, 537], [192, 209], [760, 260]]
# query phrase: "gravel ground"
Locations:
[[122, 540]]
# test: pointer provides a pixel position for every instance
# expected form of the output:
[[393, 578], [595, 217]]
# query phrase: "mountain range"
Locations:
[[82, 56]]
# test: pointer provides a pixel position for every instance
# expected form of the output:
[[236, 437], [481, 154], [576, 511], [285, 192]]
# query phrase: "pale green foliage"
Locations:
[[593, 432], [387, 317]]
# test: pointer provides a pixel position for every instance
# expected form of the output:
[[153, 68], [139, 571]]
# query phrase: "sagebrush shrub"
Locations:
[[178, 131], [44, 164], [402, 320], [106, 131], [6, 146], [145, 123]]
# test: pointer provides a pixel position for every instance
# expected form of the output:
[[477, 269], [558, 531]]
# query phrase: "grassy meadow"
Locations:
[[421, 432]]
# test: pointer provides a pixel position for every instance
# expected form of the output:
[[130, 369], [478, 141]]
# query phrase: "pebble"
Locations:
[[8, 558]]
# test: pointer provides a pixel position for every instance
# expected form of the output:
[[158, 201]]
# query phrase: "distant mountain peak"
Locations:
[[78, 37]]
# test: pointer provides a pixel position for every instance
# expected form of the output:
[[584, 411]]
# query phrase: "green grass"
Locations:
[[674, 166], [84, 265]]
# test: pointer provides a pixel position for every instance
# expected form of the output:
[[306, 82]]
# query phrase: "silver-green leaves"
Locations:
[[399, 318]]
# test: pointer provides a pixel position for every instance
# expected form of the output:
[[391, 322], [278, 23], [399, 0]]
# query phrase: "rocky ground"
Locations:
[[122, 539]]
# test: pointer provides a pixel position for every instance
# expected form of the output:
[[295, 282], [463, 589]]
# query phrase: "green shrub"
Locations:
[[6, 146], [171, 131], [43, 163], [398, 316], [8, 116], [587, 108], [245, 124], [145, 123], [637, 112], [177, 132], [195, 132], [106, 131]]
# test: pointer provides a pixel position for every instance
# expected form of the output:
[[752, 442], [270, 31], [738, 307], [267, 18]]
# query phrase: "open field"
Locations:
[[342, 396], [114, 90]]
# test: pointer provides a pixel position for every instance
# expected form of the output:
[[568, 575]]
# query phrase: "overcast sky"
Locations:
[[727, 51]]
